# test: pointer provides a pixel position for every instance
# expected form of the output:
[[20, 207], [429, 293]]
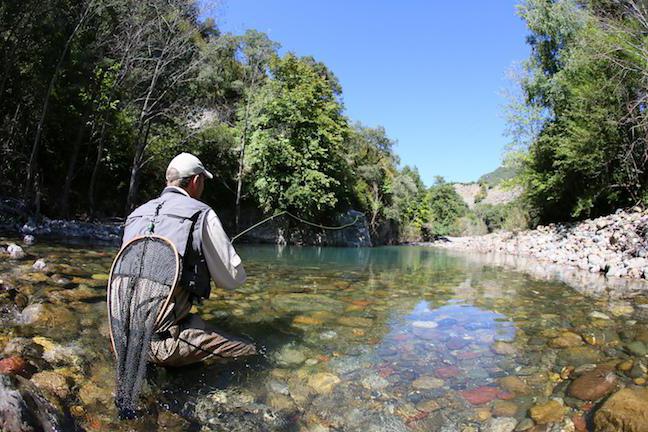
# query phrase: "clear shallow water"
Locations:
[[393, 338]]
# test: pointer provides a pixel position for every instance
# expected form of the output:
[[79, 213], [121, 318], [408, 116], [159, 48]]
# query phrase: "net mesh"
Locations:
[[142, 278]]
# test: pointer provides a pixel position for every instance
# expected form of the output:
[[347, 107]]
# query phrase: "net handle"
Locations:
[[110, 280]]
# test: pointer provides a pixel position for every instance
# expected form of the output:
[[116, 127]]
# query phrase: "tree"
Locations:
[[257, 50], [587, 154], [296, 149], [164, 66], [446, 207]]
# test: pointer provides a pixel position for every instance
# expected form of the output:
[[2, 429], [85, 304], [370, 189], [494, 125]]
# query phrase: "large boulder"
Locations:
[[24, 409], [594, 384], [624, 411]]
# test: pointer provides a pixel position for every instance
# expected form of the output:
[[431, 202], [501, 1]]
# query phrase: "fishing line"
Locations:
[[297, 218]]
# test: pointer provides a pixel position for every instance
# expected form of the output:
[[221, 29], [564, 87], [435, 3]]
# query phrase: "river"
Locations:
[[381, 339]]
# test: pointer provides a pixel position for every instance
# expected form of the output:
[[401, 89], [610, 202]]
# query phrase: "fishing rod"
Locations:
[[297, 218]]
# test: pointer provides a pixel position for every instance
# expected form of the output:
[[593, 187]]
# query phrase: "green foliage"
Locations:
[[585, 74], [296, 147], [470, 225], [446, 207], [498, 176], [510, 216]]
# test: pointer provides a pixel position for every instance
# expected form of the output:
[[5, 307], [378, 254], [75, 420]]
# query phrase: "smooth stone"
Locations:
[[483, 413], [355, 322], [289, 356], [91, 394], [626, 365], [14, 365], [52, 382], [566, 340], [624, 411], [428, 405], [480, 395], [593, 385], [278, 387], [638, 370], [169, 421], [328, 335], [503, 348], [580, 355], [599, 315], [500, 424], [549, 412], [374, 381], [280, 402], [306, 320], [39, 265], [514, 385], [637, 348], [524, 425], [15, 252], [425, 324], [23, 408], [100, 276], [427, 382], [54, 317], [29, 239], [502, 408], [447, 372], [323, 382]]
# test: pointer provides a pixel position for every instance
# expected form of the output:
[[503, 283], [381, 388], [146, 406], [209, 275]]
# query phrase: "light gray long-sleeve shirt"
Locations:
[[224, 264]]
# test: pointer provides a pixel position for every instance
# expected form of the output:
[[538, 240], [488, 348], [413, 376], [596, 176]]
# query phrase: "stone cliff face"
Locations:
[[494, 195]]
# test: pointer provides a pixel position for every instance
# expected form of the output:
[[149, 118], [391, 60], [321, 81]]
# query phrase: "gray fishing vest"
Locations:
[[178, 218]]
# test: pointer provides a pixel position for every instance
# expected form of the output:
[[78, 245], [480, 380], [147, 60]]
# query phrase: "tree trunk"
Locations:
[[64, 205], [140, 144], [133, 186], [241, 167], [95, 170], [33, 158]]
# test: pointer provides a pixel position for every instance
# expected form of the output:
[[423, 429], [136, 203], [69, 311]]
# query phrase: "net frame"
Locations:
[[162, 307]]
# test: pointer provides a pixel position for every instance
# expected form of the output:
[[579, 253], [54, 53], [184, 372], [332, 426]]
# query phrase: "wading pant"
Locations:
[[192, 340]]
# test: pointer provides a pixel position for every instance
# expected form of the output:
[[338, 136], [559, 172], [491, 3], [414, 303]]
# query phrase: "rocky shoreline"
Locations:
[[615, 245]]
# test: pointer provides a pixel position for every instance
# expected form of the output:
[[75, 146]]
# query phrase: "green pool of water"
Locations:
[[389, 338]]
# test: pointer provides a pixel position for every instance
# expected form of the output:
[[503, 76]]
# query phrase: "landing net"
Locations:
[[142, 279]]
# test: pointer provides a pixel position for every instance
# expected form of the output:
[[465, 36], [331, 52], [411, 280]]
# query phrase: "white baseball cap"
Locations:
[[185, 165]]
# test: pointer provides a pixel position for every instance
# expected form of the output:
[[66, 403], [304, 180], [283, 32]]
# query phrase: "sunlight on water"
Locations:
[[393, 338]]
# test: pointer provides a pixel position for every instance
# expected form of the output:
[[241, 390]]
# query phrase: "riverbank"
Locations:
[[615, 245]]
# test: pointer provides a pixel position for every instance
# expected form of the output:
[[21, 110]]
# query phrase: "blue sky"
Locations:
[[430, 72]]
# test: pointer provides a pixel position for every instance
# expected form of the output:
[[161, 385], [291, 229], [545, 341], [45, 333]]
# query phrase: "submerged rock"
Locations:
[[501, 424], [549, 412], [593, 385], [514, 385], [323, 382], [566, 340], [24, 409], [503, 348], [15, 366], [39, 265], [52, 382], [290, 356], [480, 395], [427, 382], [624, 411], [15, 252]]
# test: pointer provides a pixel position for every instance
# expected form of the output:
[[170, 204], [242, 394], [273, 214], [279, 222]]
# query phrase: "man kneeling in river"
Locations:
[[180, 337]]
